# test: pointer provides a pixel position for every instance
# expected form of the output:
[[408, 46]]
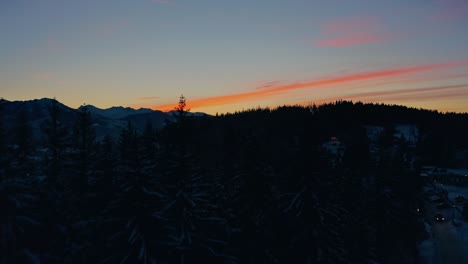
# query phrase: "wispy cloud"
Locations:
[[412, 80], [367, 76], [147, 98], [402, 95], [425, 97], [266, 85], [281, 89], [342, 25], [450, 11], [406, 93], [352, 32], [357, 39]]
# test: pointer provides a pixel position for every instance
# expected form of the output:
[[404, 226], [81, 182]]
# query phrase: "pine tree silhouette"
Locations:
[[56, 142]]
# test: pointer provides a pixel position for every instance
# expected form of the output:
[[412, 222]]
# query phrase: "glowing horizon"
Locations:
[[272, 90], [229, 56]]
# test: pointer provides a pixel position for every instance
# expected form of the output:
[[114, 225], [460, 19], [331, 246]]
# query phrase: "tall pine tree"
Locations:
[[56, 141]]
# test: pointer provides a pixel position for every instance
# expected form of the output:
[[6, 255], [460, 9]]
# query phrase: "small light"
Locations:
[[443, 219]]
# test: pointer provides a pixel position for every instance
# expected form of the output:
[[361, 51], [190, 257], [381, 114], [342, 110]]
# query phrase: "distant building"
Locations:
[[374, 132], [335, 149], [409, 133], [446, 175], [333, 146]]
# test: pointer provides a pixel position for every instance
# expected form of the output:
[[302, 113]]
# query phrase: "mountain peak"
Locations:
[[116, 112]]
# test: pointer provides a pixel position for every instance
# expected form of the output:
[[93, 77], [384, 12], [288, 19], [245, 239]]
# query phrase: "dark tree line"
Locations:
[[249, 187]]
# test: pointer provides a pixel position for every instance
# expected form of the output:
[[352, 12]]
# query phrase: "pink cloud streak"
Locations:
[[354, 40], [352, 32], [450, 11], [406, 95], [281, 89]]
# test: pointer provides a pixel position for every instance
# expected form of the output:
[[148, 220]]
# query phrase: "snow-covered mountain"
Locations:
[[199, 114], [108, 121], [117, 112], [36, 113]]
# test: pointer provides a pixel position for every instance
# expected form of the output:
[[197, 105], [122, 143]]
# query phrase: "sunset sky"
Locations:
[[225, 55]]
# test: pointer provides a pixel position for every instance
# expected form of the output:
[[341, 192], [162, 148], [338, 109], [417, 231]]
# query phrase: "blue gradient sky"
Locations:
[[232, 55]]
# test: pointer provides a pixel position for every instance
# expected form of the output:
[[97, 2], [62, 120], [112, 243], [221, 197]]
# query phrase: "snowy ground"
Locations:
[[427, 247], [447, 243], [408, 132], [454, 191]]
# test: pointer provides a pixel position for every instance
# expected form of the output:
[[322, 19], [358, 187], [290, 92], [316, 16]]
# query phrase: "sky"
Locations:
[[226, 56]]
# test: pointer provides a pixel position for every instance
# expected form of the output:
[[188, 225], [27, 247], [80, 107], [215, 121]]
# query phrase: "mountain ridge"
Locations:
[[108, 121]]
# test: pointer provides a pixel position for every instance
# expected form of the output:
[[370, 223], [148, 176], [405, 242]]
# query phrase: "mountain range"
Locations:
[[109, 121]]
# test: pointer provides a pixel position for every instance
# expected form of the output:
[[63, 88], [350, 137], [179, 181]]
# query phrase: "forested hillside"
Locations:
[[248, 187]]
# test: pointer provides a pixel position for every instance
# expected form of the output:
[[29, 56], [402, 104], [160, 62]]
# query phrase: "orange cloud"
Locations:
[[366, 76], [351, 32], [278, 90]]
